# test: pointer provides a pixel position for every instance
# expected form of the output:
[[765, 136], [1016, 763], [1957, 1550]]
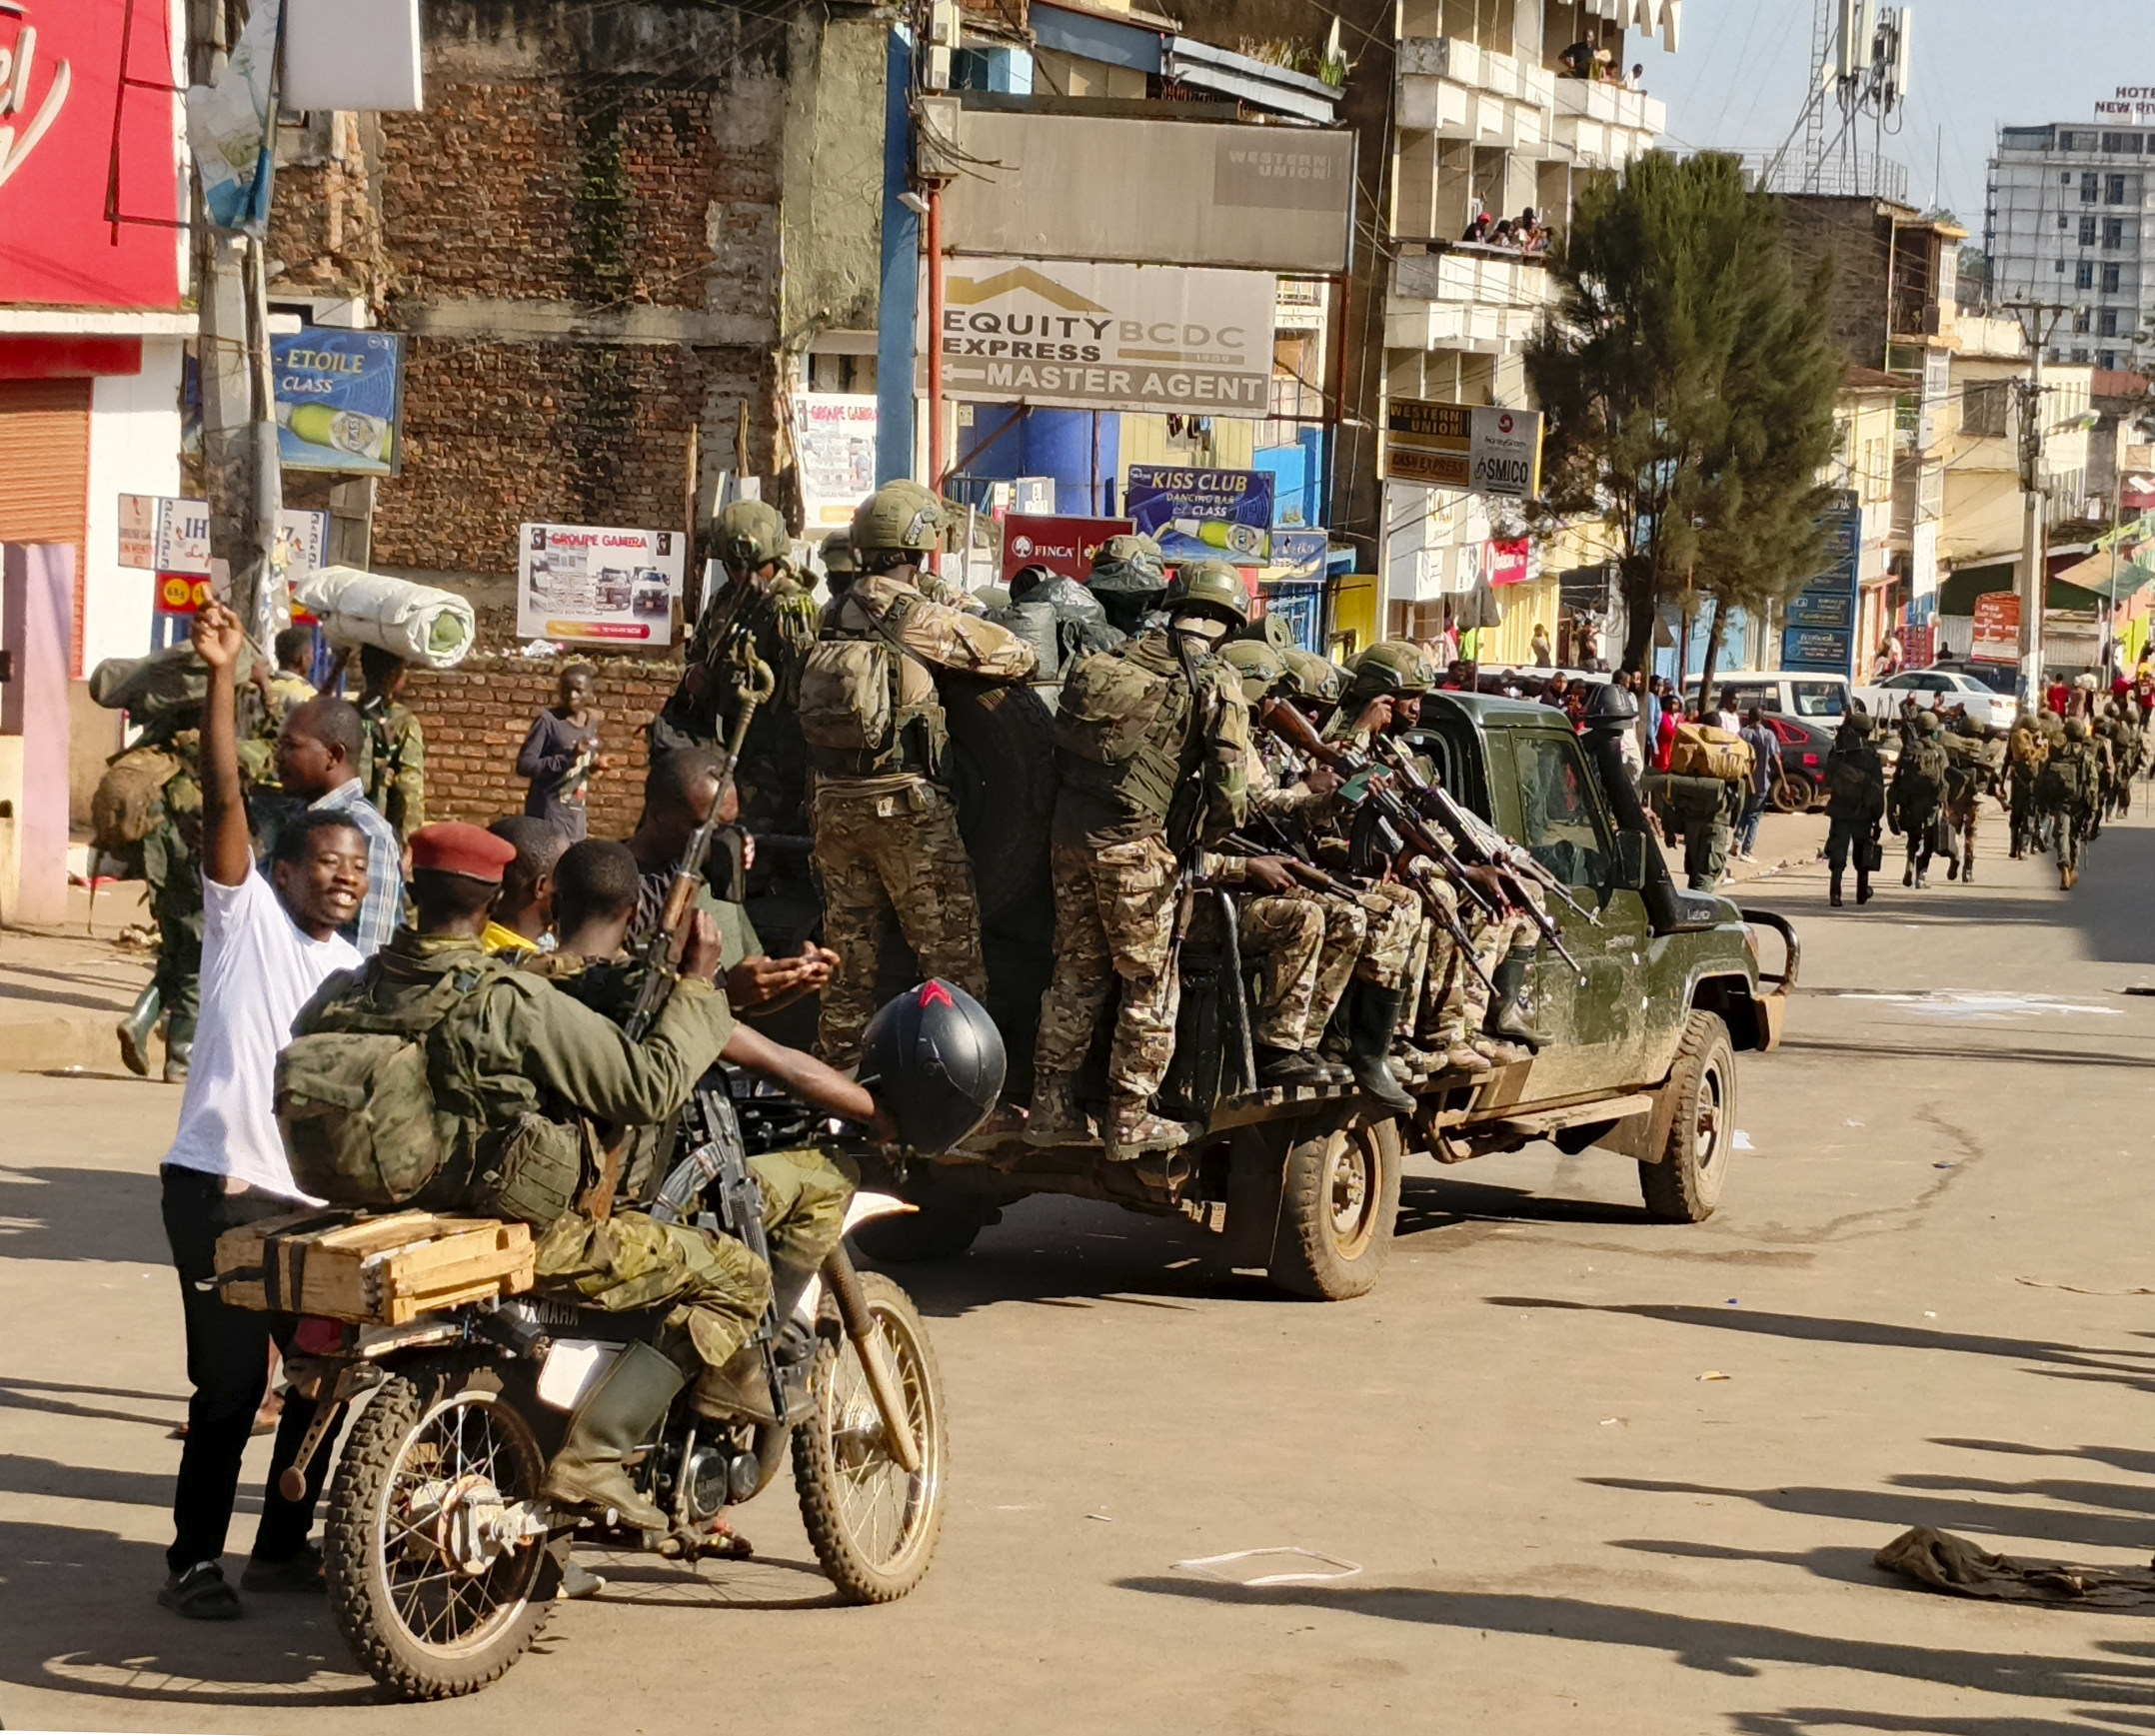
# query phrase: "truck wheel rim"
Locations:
[[1708, 1132], [1351, 1192]]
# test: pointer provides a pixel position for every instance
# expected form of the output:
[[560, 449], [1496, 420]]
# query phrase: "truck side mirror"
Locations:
[[1631, 862]]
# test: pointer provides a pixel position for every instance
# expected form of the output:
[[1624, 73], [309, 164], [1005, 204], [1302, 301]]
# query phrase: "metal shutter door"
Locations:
[[45, 461]]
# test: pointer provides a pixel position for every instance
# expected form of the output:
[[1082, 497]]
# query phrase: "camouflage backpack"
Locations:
[[390, 1107]]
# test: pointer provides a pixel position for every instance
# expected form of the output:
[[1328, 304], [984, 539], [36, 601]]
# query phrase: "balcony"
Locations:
[[1603, 126], [1450, 87], [1461, 300]]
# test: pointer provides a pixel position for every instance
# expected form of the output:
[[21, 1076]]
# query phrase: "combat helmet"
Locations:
[[1129, 564], [1926, 723], [901, 518], [1391, 665], [2076, 730], [1212, 587], [750, 534], [839, 563], [1968, 724], [1857, 723], [1312, 676], [1260, 667]]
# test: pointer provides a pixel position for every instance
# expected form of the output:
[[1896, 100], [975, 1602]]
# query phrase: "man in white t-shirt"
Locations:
[[268, 943]]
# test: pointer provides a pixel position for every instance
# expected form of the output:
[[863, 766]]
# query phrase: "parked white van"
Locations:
[[1788, 693]]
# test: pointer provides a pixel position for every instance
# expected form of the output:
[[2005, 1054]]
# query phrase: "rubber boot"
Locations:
[[1055, 1118], [134, 1030], [1863, 886], [1967, 870], [616, 1418], [1833, 895], [1290, 1067], [1375, 1012], [1505, 1018], [1133, 1131], [179, 1048]]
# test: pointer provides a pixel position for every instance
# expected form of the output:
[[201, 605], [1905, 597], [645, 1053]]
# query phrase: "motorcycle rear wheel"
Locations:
[[874, 1525], [421, 1624]]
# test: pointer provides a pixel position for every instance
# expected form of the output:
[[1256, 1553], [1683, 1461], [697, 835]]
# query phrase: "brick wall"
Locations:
[[476, 718]]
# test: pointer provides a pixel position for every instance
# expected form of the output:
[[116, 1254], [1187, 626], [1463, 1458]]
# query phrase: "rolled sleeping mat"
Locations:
[[415, 622]]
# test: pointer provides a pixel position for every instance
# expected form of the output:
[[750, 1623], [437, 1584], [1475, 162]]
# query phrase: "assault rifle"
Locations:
[[1284, 719]]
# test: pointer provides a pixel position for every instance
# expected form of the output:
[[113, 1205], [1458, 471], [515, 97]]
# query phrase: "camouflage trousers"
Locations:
[[630, 1262], [805, 1197], [2025, 815], [1307, 943], [1460, 1003], [1429, 978], [897, 852], [2073, 823], [1396, 929], [1115, 919], [1963, 819]]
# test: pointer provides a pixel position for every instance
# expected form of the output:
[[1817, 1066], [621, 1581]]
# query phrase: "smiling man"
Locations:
[[268, 943]]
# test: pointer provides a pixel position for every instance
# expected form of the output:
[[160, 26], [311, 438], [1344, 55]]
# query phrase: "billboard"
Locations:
[[1481, 447], [598, 584], [1199, 515], [1065, 546], [340, 400], [1818, 629], [61, 116], [171, 538], [1997, 627], [1170, 192], [835, 437], [1108, 337]]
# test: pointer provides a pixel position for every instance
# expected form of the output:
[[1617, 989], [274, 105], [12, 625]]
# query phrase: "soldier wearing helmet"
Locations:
[[1315, 682], [2067, 790], [1972, 767], [1151, 740], [1128, 576], [760, 615], [1383, 693], [2025, 750], [881, 812], [1915, 803]]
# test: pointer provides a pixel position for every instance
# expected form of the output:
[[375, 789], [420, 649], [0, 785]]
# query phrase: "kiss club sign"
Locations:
[[59, 89]]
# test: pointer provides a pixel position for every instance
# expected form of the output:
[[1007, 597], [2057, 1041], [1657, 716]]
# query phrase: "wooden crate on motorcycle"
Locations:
[[376, 1271]]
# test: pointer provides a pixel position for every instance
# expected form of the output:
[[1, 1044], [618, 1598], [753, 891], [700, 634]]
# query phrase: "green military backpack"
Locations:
[[1119, 726], [2067, 776], [388, 1108]]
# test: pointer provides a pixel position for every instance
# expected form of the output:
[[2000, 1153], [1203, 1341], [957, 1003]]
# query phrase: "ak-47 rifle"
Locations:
[[1289, 724], [669, 938]]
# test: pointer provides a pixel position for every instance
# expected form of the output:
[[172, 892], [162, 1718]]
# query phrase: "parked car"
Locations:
[[1940, 690], [1805, 743], [2001, 677], [1784, 693]]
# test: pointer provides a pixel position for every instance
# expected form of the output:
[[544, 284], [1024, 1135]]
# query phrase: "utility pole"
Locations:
[[241, 473], [2038, 320]]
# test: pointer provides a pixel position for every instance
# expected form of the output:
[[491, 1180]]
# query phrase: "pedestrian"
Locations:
[[1890, 654], [269, 941], [1589, 644], [521, 922], [393, 753], [1664, 734], [318, 752], [1766, 749], [1544, 654], [1557, 693], [560, 755], [1726, 716], [289, 684], [1855, 805]]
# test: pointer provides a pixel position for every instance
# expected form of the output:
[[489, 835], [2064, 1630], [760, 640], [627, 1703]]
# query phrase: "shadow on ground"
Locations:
[[57, 1213]]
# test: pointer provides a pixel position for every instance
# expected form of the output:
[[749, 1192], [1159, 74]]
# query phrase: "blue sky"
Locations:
[[1739, 80]]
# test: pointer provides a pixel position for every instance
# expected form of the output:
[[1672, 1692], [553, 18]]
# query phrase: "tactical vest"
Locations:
[[869, 707], [2068, 776], [390, 1106], [1122, 731]]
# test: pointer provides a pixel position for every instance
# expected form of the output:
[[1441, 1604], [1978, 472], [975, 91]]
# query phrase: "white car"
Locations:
[[1939, 689]]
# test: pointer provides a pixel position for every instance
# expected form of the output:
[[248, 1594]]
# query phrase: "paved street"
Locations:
[[1920, 1288]]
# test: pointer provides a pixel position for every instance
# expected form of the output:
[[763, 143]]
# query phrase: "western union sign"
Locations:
[[1478, 448]]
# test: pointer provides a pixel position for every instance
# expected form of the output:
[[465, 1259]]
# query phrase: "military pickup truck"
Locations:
[[1304, 1181]]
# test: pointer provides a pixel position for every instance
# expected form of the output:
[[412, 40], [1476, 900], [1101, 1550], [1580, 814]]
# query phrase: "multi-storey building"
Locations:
[[2067, 223]]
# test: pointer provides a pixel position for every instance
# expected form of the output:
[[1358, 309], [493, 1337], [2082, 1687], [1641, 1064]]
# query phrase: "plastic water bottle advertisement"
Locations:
[[1198, 515], [340, 400]]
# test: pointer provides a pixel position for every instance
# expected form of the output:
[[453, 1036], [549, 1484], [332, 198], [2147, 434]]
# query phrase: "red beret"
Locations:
[[452, 848]]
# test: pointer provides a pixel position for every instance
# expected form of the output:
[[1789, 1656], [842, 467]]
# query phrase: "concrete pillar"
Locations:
[[37, 591]]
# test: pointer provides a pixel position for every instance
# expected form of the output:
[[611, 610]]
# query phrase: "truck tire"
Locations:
[[1338, 1199], [940, 1230], [1685, 1185]]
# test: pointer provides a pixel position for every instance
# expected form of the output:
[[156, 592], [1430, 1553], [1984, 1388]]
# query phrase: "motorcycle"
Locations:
[[442, 1557]]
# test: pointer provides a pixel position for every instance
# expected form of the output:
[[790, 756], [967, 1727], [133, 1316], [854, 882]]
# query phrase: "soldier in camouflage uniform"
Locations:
[[1972, 763], [884, 821], [1146, 753], [1914, 798], [393, 747], [2026, 751], [1128, 577], [761, 606], [2067, 791]]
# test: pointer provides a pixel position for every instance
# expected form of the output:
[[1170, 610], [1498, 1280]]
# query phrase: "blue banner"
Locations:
[[1198, 515], [340, 400], [1819, 628]]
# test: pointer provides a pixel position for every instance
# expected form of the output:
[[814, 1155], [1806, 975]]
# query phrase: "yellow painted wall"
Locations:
[[1354, 609]]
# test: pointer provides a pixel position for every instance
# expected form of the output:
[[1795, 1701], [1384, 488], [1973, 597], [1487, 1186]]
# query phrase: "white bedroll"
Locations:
[[415, 622]]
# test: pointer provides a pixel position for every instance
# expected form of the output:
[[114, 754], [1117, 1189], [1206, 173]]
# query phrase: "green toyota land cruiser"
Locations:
[[1304, 1181]]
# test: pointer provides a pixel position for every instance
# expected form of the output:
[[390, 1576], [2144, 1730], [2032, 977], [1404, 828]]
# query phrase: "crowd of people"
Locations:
[[1524, 234]]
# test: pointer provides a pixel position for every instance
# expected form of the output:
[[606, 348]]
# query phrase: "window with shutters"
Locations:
[[2107, 325], [2113, 232], [1985, 408], [2114, 189]]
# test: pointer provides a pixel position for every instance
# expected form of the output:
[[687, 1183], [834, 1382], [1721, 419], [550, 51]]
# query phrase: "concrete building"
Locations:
[[2066, 221]]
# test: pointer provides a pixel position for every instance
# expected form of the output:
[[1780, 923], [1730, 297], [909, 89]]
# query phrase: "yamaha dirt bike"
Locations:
[[440, 1554]]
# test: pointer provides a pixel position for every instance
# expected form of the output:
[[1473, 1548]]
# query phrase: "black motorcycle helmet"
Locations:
[[934, 1061]]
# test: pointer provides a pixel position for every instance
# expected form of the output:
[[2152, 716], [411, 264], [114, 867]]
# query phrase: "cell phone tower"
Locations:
[[1860, 64]]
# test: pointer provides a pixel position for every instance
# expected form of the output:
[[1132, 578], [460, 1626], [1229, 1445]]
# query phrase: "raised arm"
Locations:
[[228, 856]]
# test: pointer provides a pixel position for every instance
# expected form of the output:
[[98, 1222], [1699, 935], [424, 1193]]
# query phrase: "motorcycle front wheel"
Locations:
[[872, 1523], [438, 1571]]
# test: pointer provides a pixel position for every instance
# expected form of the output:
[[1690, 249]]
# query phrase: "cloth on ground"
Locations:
[[1944, 1562]]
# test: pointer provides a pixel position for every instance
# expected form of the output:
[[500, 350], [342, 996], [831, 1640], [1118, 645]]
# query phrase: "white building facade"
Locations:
[[2067, 222]]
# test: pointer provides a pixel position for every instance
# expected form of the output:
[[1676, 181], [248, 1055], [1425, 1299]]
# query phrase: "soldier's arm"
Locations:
[[412, 775], [586, 1060], [1226, 775], [965, 643]]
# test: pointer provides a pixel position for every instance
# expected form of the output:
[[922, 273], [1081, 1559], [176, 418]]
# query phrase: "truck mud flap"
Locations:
[[1774, 1004]]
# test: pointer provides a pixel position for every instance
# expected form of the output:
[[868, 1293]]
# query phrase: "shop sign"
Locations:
[[1062, 545], [1481, 447], [171, 538], [1818, 630], [1997, 627], [1171, 339], [1198, 515], [340, 400], [598, 584], [1299, 554]]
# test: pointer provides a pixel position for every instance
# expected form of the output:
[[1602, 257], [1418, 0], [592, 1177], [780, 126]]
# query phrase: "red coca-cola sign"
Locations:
[[59, 91]]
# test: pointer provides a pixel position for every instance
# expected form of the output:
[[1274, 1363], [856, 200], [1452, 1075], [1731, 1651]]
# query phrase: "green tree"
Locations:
[[1687, 385]]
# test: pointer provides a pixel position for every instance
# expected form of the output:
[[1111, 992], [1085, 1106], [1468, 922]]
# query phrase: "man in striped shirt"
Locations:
[[317, 763]]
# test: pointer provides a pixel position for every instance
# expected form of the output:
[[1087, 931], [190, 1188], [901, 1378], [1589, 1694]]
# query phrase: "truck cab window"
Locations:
[[1562, 819]]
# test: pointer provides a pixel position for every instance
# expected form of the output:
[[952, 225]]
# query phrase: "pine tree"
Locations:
[[1688, 387]]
